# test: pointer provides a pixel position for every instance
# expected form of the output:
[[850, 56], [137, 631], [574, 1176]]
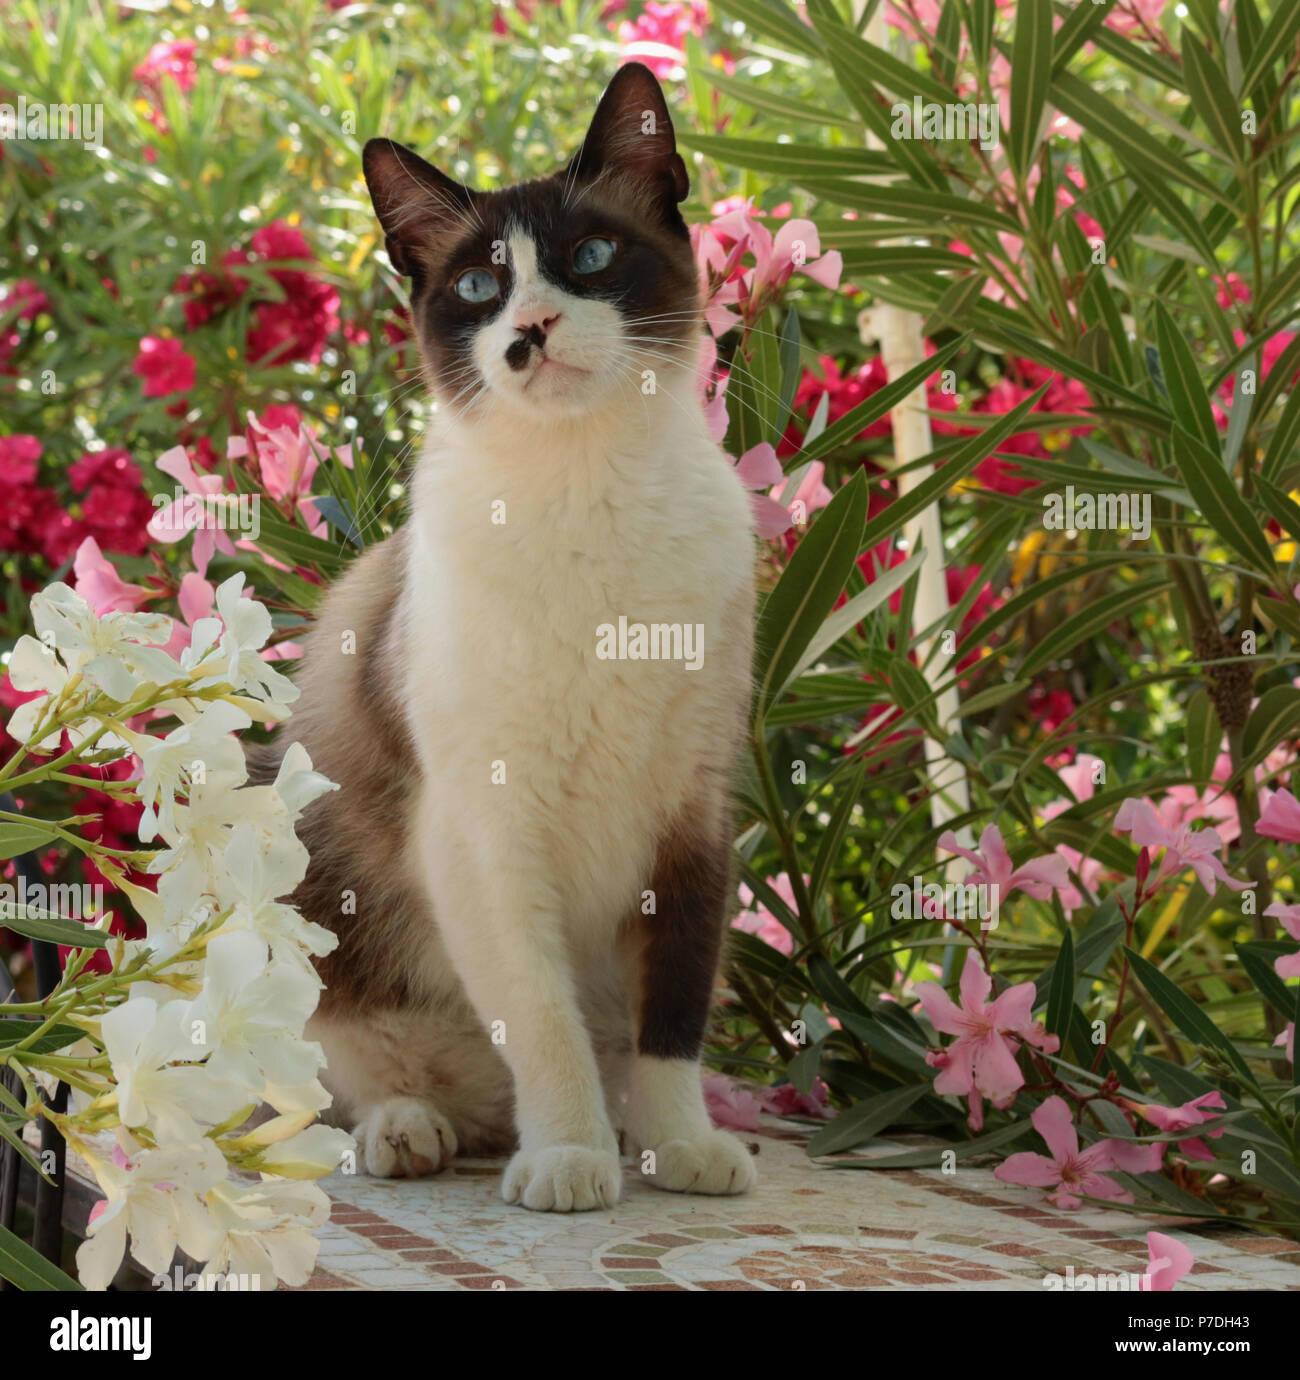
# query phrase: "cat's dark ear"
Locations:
[[632, 132], [413, 200]]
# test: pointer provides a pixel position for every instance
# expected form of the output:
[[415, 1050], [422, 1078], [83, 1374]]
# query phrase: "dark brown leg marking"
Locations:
[[680, 945]]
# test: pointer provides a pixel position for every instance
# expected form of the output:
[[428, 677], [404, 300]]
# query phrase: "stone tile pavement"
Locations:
[[804, 1227]]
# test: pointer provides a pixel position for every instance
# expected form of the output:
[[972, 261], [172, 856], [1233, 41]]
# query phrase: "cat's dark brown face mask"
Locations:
[[559, 294]]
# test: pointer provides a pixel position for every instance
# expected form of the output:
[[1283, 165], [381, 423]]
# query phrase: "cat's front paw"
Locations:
[[405, 1137], [710, 1162], [562, 1178]]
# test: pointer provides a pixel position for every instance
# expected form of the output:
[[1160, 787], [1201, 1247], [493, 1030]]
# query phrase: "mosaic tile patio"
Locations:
[[803, 1228]]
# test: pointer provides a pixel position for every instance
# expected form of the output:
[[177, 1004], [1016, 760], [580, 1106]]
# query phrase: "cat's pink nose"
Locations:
[[531, 319]]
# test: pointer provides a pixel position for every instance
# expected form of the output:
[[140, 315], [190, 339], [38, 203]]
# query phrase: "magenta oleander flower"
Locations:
[[1184, 847], [1184, 1118], [1280, 818], [993, 867], [1288, 966], [1167, 1262], [1071, 1172], [164, 366], [981, 1062]]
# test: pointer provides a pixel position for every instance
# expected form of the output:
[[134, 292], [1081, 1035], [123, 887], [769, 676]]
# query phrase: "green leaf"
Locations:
[[807, 590], [1031, 75], [25, 837], [1088, 622], [858, 418], [763, 98], [890, 1045], [54, 929], [1134, 144], [1279, 505], [936, 1155], [14, 1031], [1060, 995], [1186, 1014], [1211, 96], [1257, 960], [1221, 505], [1073, 34], [1274, 720], [1203, 736], [26, 1269], [833, 835], [1275, 42], [874, 64], [775, 19], [1191, 403], [864, 1121], [787, 160], [957, 466]]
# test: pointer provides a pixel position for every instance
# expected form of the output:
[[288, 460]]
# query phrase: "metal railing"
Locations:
[[47, 1199]]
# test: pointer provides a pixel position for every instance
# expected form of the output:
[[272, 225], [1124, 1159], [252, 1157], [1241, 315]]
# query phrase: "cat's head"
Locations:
[[553, 296]]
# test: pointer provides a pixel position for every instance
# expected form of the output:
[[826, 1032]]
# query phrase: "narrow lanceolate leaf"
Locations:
[[1187, 395], [770, 102], [1185, 1013], [866, 1120], [54, 929], [960, 1150], [1094, 618], [833, 837], [1203, 736], [1031, 75], [808, 589], [1285, 438], [22, 837], [1273, 720], [776, 20], [1275, 42], [1279, 292], [1211, 96], [28, 1269], [878, 66], [877, 405], [1060, 995], [1073, 34], [14, 1031], [1080, 102], [789, 159], [957, 466], [1221, 505], [1278, 505]]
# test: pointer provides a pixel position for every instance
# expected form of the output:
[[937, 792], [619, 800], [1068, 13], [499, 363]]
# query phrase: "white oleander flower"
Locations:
[[311, 1153], [116, 653], [267, 1229], [145, 1042], [231, 653], [168, 764], [157, 1196], [252, 1011]]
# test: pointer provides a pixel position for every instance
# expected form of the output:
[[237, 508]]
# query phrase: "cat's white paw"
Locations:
[[405, 1137], [712, 1162], [562, 1178]]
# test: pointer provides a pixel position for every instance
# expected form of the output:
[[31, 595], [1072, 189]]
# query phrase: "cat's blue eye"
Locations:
[[477, 285], [592, 255]]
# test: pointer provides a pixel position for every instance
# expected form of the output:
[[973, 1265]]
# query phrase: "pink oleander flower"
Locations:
[[1184, 1118], [993, 867], [164, 366], [1077, 779], [173, 61], [1288, 966], [720, 246], [786, 1100], [1287, 1038], [1167, 1262], [756, 919], [731, 1104], [1183, 846], [1280, 818], [657, 37], [96, 579], [759, 469], [189, 512], [1071, 1172], [981, 1062]]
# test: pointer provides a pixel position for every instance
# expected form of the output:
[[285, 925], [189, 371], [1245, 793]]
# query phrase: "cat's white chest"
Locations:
[[581, 647]]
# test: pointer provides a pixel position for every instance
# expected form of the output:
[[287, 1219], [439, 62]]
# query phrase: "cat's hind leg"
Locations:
[[405, 1137]]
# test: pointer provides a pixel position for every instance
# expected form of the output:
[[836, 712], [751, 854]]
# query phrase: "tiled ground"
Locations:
[[803, 1228]]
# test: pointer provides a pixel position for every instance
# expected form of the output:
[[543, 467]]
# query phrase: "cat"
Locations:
[[527, 864]]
